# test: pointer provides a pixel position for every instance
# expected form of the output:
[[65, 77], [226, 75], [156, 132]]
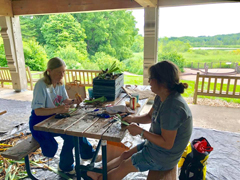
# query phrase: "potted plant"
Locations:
[[108, 83]]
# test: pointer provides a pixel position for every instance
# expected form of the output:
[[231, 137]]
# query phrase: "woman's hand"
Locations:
[[63, 109], [78, 100], [134, 129], [129, 119]]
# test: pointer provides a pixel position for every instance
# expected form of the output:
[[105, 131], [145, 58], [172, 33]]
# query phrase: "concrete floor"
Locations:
[[210, 117]]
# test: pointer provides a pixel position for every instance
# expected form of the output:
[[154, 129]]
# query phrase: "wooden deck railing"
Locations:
[[85, 77], [5, 75], [218, 86]]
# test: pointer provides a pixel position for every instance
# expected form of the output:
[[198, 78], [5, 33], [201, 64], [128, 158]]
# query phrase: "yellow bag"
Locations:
[[193, 163]]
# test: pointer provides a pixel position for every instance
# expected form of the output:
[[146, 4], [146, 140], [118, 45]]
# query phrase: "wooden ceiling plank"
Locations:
[[147, 3], [6, 8], [31, 7], [174, 3]]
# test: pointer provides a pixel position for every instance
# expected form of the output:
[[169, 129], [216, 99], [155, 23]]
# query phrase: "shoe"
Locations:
[[72, 172]]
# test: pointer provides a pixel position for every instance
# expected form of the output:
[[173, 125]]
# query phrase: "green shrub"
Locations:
[[174, 57], [72, 57], [104, 61], [134, 64], [35, 55]]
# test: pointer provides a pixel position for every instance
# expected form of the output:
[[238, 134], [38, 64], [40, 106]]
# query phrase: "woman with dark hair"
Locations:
[[49, 98], [170, 131]]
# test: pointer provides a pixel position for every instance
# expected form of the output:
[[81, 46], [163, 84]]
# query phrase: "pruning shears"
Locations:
[[116, 118]]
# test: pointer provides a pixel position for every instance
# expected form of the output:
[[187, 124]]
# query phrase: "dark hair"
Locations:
[[167, 73], [53, 63]]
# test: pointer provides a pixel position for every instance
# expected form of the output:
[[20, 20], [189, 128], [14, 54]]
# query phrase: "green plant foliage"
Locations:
[[61, 30], [225, 40], [173, 46], [104, 61], [35, 55], [3, 60], [174, 57], [72, 57], [138, 44], [134, 64], [109, 30], [31, 27]]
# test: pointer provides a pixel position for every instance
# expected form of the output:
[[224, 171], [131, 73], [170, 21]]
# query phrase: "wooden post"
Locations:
[[150, 40], [237, 68], [206, 68], [196, 89], [12, 38]]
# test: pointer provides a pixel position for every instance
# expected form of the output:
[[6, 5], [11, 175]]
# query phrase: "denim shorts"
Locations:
[[142, 162]]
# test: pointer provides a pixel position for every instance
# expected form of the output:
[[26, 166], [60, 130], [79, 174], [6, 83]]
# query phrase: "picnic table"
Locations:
[[83, 124]]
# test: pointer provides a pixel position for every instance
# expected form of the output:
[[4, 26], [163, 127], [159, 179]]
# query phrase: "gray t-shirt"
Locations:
[[172, 114]]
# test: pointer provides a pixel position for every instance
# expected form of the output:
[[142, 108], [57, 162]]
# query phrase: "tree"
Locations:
[[175, 46], [3, 60], [174, 57], [61, 30], [104, 61], [138, 44], [110, 32], [35, 55], [31, 27], [72, 57]]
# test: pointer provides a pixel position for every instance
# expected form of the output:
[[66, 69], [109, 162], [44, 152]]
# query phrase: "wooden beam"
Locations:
[[27, 7], [147, 3], [172, 3], [6, 8]]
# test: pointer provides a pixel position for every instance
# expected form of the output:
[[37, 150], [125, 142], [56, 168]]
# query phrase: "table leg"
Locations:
[[77, 157], [104, 159]]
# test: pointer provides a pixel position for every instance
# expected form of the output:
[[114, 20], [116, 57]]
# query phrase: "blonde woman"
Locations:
[[49, 98]]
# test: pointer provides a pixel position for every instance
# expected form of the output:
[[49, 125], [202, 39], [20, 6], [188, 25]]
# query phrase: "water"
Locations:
[[212, 48]]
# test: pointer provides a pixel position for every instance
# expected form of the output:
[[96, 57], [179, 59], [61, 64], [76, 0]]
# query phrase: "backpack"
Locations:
[[194, 159]]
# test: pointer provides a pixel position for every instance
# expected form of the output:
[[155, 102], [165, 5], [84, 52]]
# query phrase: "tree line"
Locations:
[[83, 40], [225, 40], [96, 40]]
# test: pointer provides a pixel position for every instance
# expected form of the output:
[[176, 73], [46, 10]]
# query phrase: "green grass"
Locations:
[[138, 80], [210, 56]]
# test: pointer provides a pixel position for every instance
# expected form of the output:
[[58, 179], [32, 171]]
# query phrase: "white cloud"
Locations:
[[199, 20]]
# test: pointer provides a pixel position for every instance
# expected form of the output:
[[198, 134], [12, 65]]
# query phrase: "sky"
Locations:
[[198, 20]]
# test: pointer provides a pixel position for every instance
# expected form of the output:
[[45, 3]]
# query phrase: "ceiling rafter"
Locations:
[[31, 7], [147, 3], [6, 8]]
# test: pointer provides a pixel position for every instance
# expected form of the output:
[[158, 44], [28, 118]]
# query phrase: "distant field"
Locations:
[[138, 80], [211, 56]]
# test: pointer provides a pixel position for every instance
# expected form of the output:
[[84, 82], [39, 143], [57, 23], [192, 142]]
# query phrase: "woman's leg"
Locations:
[[125, 155], [66, 155], [121, 171], [86, 149], [113, 164]]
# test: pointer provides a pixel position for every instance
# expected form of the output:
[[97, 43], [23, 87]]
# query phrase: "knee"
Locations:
[[125, 155]]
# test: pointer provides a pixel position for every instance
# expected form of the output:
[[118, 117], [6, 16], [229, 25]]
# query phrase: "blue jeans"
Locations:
[[49, 145]]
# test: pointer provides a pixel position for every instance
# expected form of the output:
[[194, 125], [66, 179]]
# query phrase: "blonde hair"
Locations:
[[53, 63]]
